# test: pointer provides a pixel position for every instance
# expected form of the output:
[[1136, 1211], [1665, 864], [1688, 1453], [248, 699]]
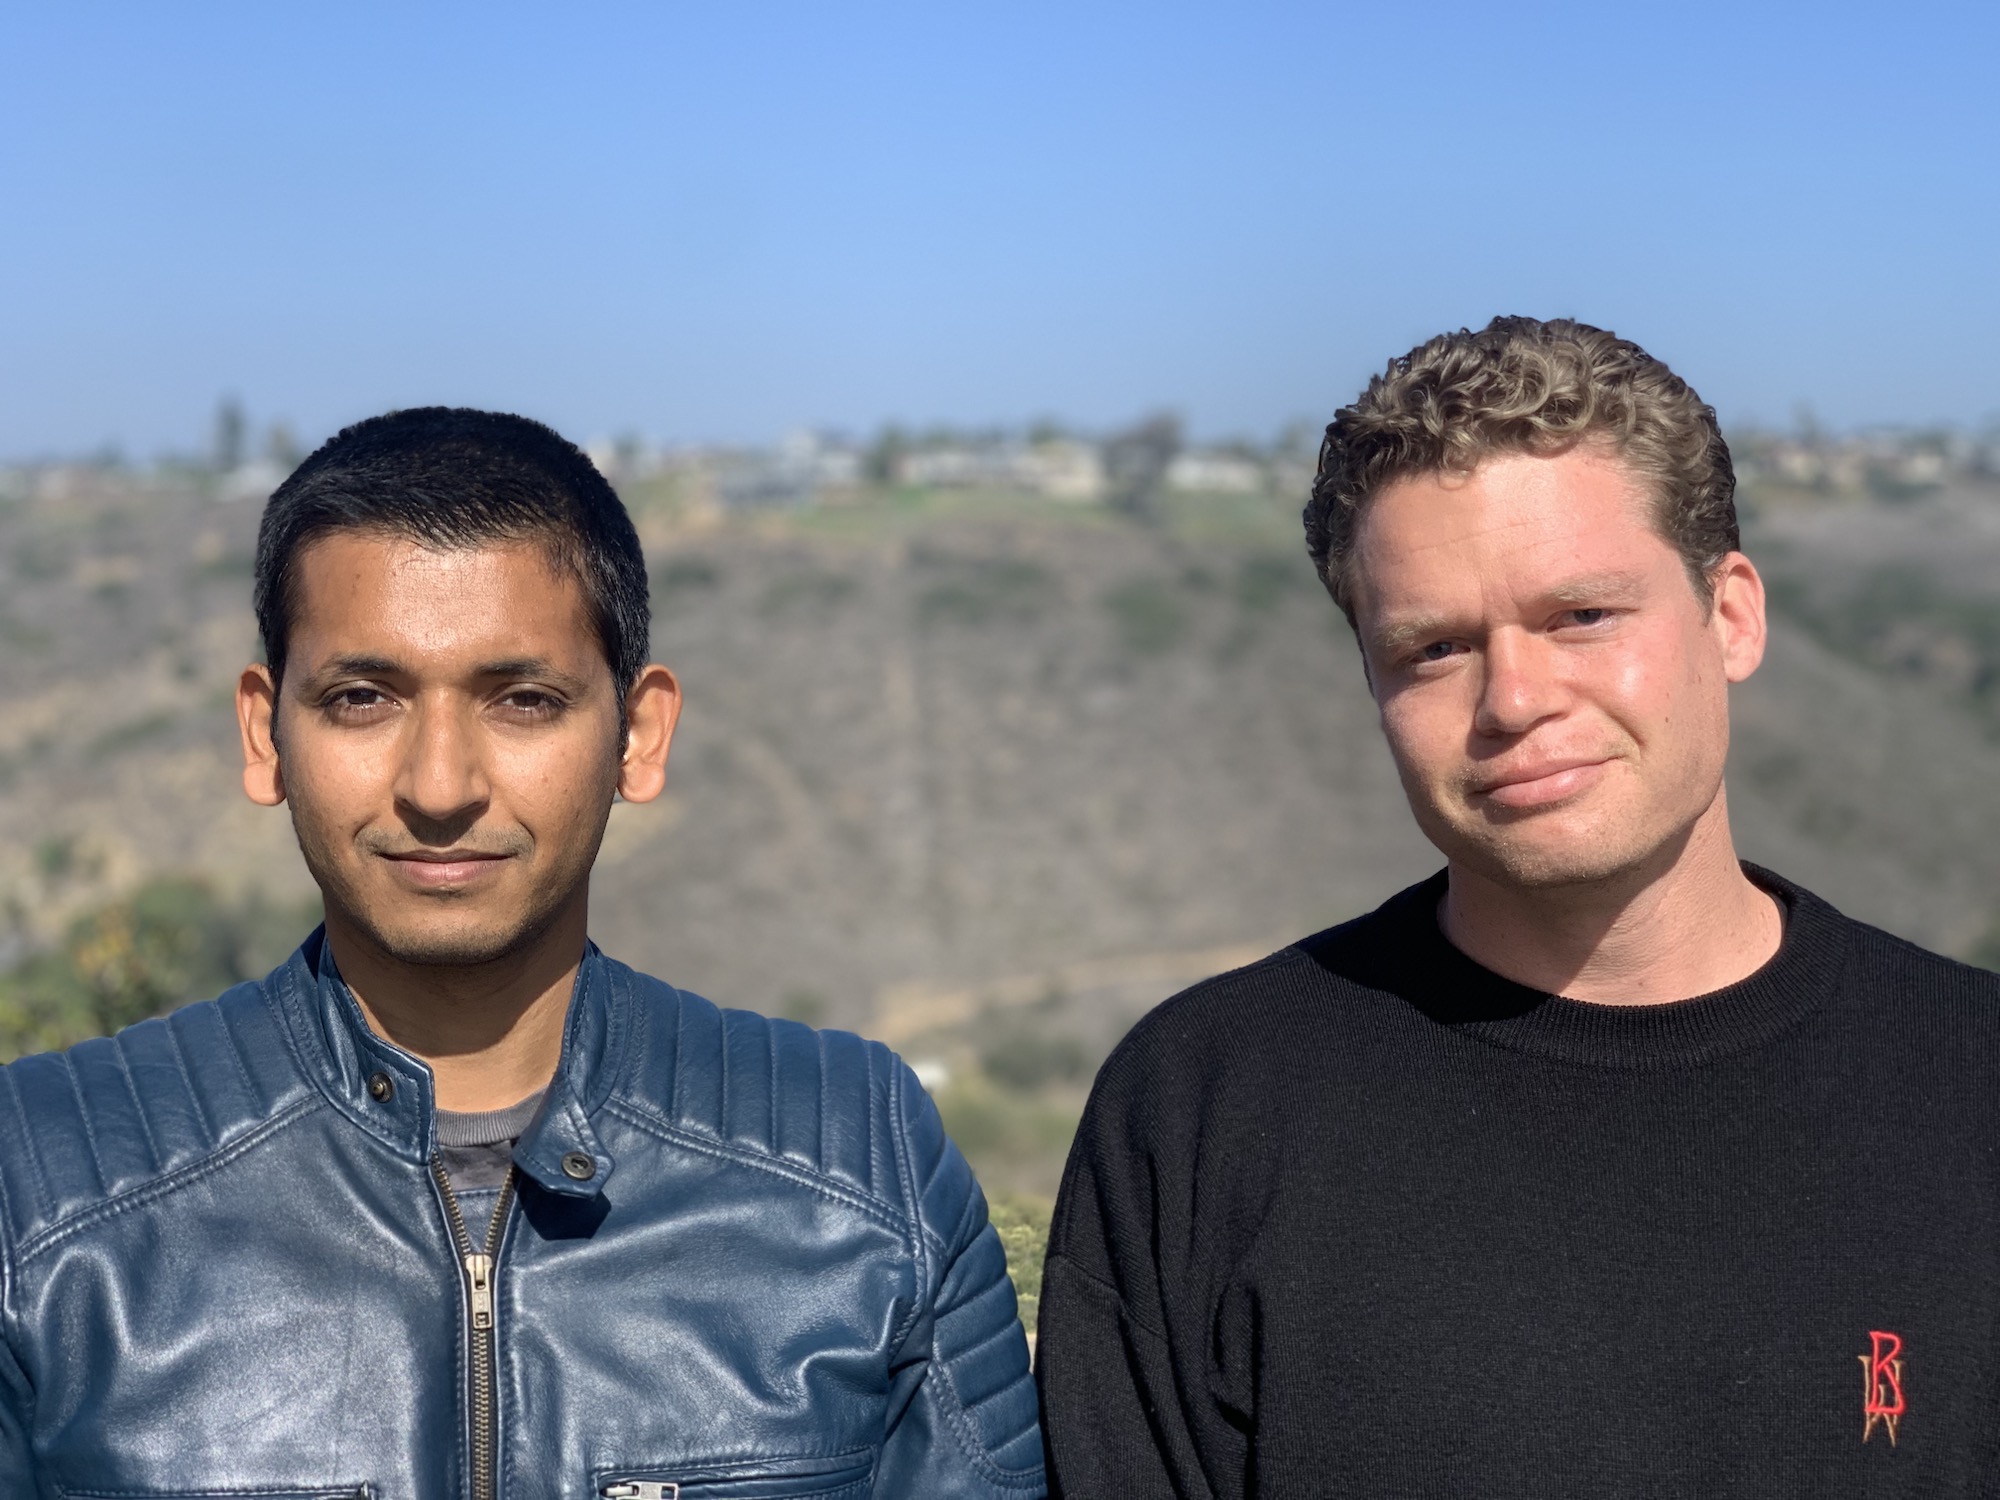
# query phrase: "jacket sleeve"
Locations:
[[1112, 1409], [17, 1464], [962, 1417]]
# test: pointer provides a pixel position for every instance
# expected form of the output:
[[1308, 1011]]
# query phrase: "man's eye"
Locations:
[[529, 703], [1589, 616], [1436, 650], [357, 697]]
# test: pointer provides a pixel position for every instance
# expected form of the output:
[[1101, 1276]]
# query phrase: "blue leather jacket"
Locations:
[[741, 1262]]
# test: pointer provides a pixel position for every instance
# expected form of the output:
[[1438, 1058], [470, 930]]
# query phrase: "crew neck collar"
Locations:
[[488, 1127], [1454, 990]]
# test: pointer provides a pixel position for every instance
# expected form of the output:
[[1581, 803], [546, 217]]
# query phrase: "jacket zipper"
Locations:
[[479, 1267]]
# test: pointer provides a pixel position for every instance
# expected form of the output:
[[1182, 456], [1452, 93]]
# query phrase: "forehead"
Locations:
[[1518, 523], [363, 591]]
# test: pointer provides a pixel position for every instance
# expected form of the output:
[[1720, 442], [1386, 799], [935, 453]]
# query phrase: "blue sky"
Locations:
[[718, 222]]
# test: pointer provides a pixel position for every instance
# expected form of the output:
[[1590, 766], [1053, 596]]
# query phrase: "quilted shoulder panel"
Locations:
[[822, 1101], [116, 1114], [850, 1111], [977, 1343]]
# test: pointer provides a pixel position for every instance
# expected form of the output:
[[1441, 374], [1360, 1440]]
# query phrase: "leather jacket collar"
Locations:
[[341, 1054]]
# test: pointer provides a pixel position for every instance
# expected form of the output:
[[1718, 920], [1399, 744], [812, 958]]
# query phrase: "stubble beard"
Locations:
[[1533, 866], [1615, 844], [455, 946], [441, 942]]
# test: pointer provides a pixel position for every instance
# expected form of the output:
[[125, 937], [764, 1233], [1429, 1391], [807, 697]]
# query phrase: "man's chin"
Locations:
[[466, 945], [1553, 870], [453, 954], [1545, 858]]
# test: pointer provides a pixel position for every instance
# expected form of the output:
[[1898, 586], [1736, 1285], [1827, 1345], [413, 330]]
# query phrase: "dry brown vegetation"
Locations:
[[981, 775]]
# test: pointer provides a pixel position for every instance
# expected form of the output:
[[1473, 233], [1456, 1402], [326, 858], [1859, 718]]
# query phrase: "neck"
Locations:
[[1684, 924], [491, 1033]]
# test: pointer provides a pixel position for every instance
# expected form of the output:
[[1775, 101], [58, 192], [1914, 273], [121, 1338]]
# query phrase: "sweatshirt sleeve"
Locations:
[[1108, 1432], [1113, 1418]]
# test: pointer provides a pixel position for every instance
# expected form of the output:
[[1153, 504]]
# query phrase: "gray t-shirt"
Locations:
[[478, 1145]]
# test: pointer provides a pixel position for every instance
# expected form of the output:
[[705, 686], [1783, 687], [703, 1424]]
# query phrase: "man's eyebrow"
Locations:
[[383, 666], [1399, 635], [357, 666], [1593, 587], [536, 667], [1590, 588]]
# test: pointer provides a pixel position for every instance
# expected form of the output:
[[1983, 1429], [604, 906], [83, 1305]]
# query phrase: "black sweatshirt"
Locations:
[[1368, 1219]]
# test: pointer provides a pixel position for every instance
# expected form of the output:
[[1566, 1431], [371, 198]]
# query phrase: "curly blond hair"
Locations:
[[1522, 385]]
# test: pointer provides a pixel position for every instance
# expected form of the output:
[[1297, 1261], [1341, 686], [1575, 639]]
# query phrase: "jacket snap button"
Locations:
[[381, 1087], [578, 1165]]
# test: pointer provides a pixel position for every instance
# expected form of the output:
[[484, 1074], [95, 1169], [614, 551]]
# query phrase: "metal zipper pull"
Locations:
[[641, 1489], [479, 1278]]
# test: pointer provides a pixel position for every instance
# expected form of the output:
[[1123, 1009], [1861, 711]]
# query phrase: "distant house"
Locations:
[[954, 466], [1062, 469], [1212, 471]]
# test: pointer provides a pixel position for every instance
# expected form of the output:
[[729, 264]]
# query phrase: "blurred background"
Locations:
[[963, 368]]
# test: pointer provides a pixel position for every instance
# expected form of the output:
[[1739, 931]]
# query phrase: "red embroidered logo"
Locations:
[[1882, 1395]]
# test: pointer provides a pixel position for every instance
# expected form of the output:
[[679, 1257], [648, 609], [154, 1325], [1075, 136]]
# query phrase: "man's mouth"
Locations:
[[1541, 783], [439, 869]]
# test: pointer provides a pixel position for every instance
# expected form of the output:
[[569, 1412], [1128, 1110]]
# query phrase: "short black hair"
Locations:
[[453, 477]]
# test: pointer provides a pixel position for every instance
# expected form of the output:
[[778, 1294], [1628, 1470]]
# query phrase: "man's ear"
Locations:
[[1737, 615], [652, 709], [256, 719]]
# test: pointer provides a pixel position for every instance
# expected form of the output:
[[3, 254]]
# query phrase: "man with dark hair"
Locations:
[[1600, 1163], [452, 1204]]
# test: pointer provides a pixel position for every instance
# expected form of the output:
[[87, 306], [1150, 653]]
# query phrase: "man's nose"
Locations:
[[1521, 685], [443, 775]]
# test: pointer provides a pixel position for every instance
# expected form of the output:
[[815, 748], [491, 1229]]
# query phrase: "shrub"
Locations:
[[1149, 615], [1023, 1225], [169, 942], [1025, 1059]]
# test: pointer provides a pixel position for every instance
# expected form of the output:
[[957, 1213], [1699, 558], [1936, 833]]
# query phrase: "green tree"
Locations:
[[171, 941]]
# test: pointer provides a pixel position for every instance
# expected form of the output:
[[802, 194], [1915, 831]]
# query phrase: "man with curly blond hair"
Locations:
[[1601, 1163]]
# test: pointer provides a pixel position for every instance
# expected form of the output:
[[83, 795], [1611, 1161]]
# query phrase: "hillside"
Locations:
[[982, 776]]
